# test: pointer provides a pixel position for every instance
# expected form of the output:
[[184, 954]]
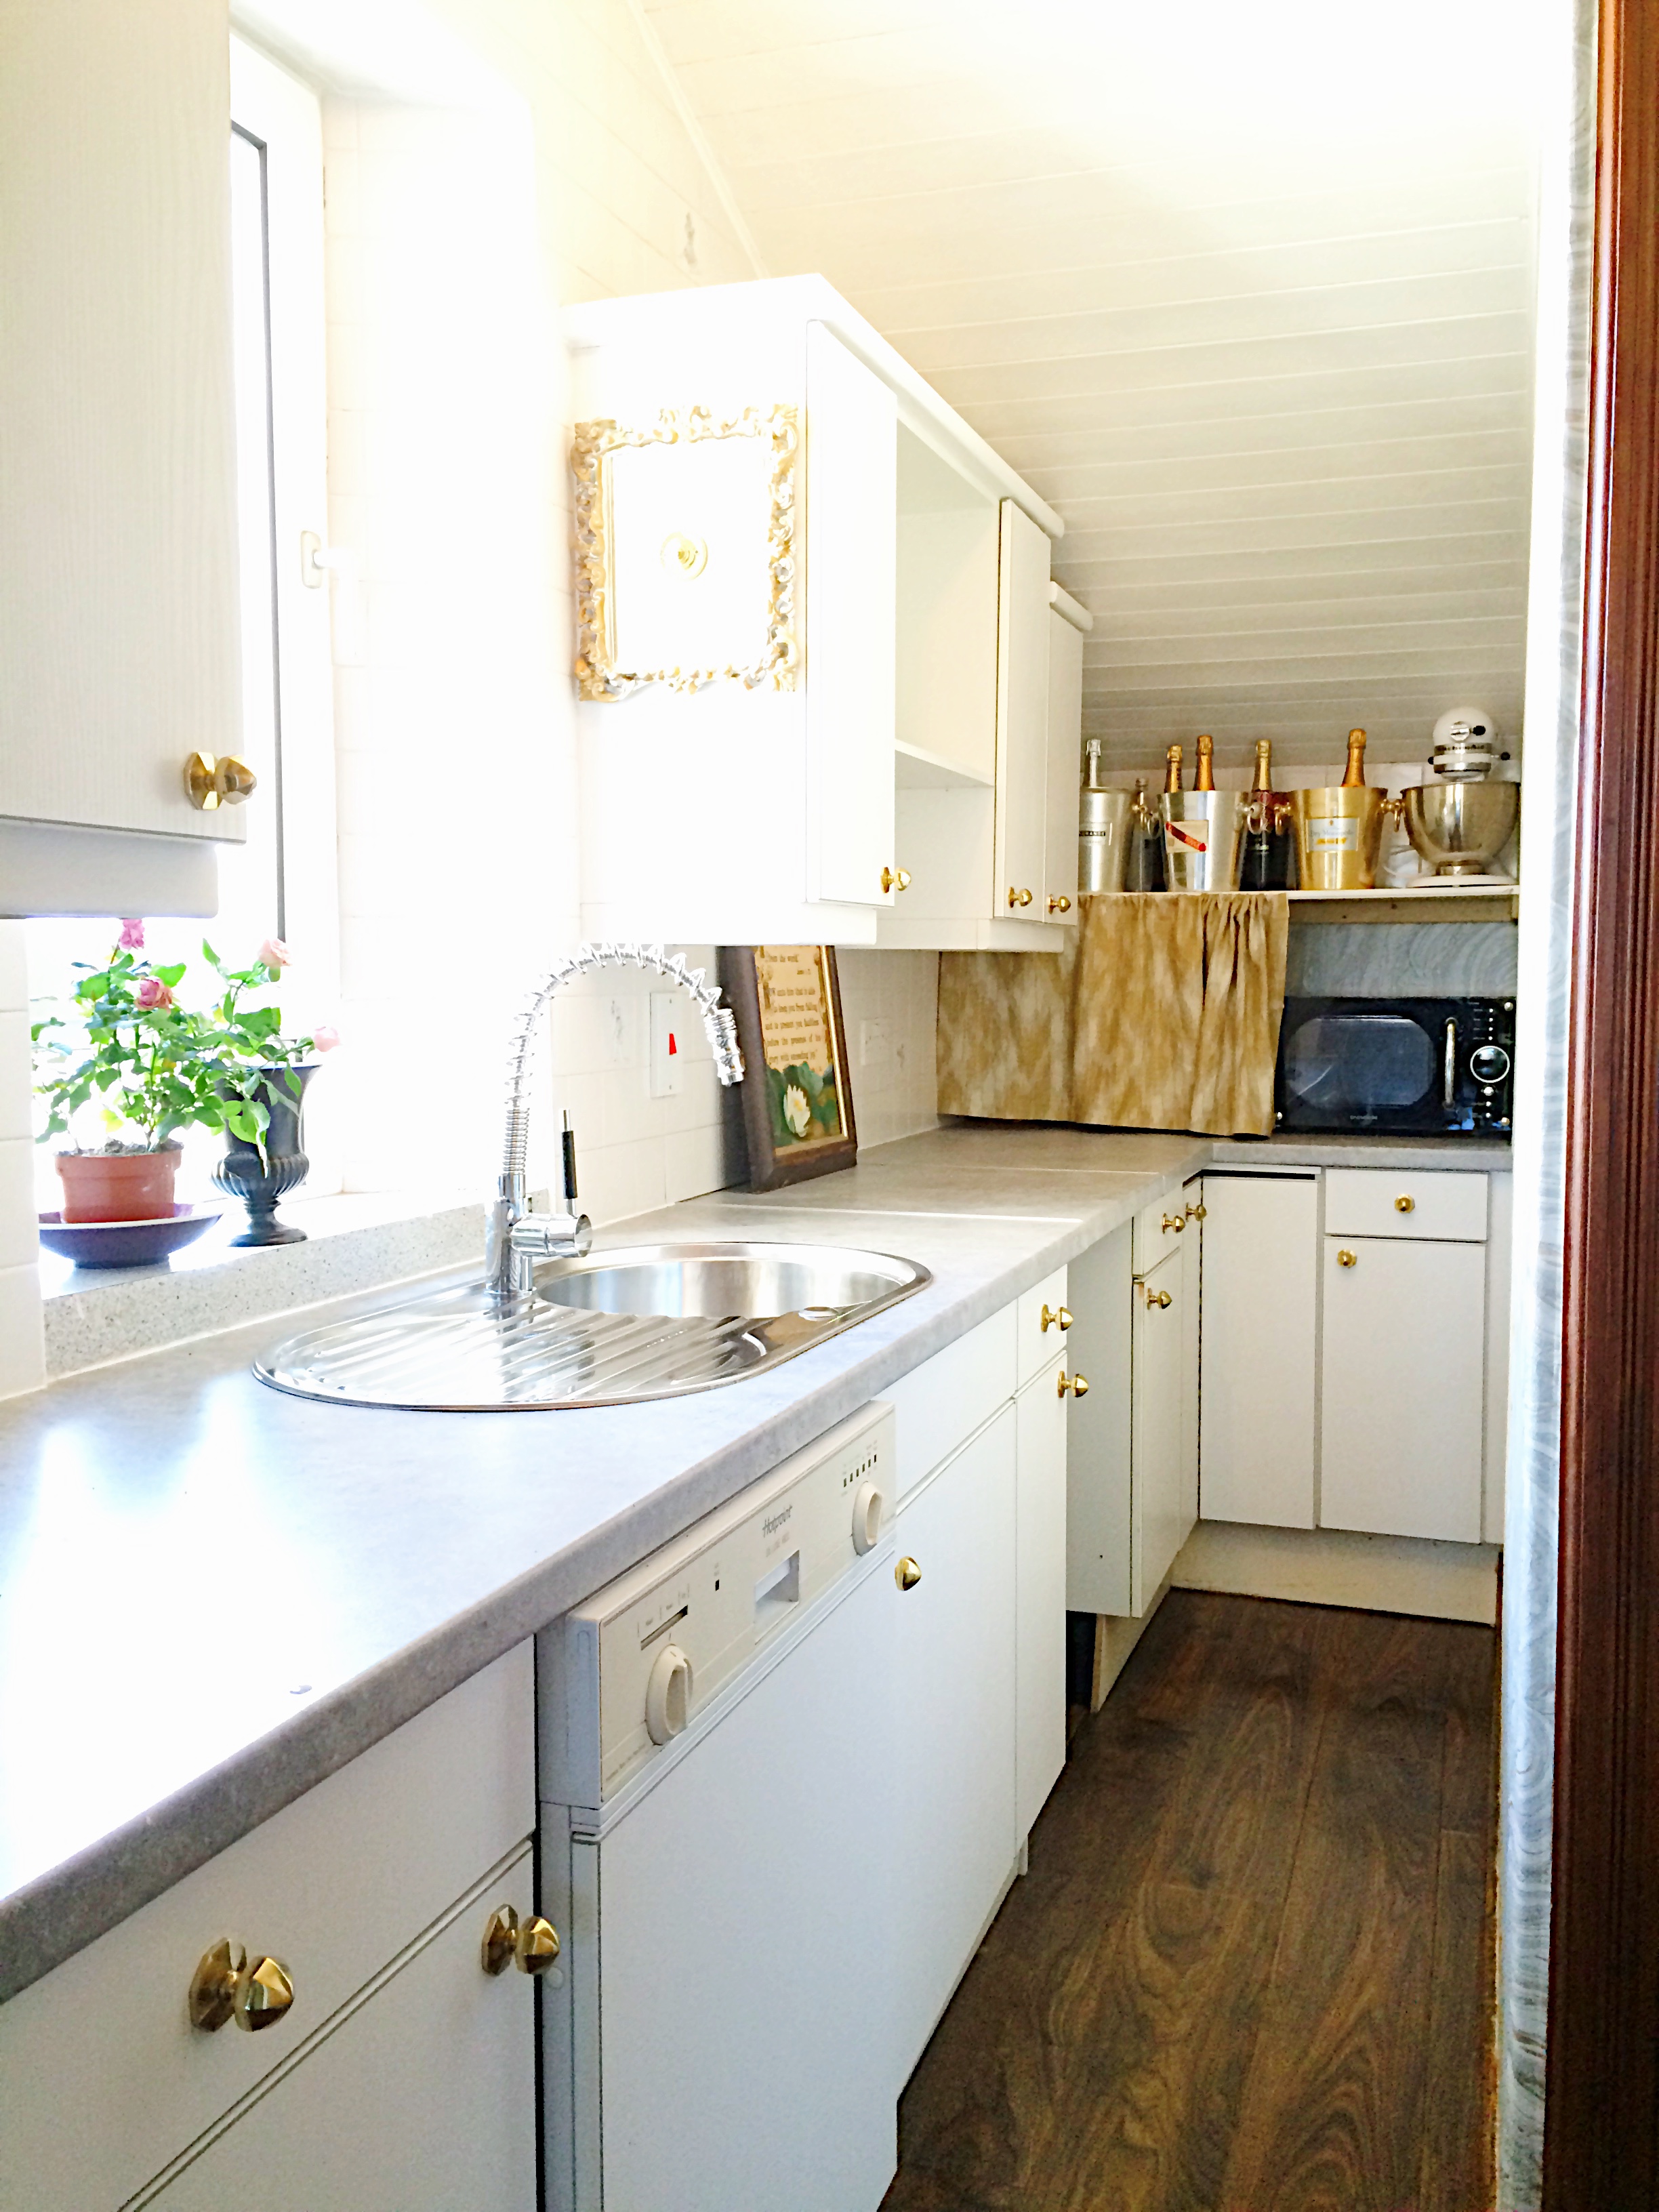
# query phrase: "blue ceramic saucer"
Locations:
[[125, 1244]]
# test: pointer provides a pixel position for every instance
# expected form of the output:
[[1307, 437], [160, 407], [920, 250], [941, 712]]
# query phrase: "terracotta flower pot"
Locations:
[[118, 1186]]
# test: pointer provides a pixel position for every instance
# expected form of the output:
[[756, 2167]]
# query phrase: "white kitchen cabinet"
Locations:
[[1401, 1387], [1259, 1349], [1040, 1440], [1164, 1508], [341, 1886], [119, 624], [1022, 787], [955, 1835], [420, 2098], [1100, 1503], [1062, 774]]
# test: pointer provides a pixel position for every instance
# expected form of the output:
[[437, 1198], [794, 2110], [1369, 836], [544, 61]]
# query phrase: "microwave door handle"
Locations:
[[1449, 1079]]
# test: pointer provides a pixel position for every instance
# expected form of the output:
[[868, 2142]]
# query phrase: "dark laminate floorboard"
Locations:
[[1247, 1972]]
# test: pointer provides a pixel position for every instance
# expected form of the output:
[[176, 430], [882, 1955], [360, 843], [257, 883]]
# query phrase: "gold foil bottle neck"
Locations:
[[1205, 778], [1139, 811], [1172, 773], [1353, 775], [1264, 765]]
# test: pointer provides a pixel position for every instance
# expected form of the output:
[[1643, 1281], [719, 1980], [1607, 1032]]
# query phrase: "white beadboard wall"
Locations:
[[1245, 293]]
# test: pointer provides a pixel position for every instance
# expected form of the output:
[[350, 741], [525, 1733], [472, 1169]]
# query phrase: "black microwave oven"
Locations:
[[1397, 1068]]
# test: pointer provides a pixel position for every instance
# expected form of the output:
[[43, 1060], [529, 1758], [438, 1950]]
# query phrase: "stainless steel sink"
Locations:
[[648, 1321]]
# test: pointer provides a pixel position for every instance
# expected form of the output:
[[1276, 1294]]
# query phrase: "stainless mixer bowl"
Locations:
[[1460, 829]]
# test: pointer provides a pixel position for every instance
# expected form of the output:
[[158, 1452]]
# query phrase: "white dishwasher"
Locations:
[[717, 1750]]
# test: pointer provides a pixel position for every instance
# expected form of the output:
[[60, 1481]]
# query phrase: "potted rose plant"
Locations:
[[153, 1067], [261, 1086]]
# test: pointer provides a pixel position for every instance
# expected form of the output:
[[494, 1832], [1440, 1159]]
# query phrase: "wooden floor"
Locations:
[[1250, 1969]]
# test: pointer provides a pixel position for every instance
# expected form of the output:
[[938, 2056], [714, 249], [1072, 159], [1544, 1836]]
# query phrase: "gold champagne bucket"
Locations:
[[1339, 828]]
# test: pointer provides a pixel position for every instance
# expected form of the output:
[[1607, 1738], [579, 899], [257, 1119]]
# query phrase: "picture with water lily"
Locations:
[[797, 1117], [128, 1056]]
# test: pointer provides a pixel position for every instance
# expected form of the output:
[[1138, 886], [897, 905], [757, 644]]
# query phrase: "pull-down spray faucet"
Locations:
[[516, 1238]]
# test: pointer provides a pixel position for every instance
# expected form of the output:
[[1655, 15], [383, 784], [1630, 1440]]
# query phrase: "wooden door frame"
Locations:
[[1602, 2101]]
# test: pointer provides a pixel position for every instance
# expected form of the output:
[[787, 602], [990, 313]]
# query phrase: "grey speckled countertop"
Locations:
[[212, 1595]]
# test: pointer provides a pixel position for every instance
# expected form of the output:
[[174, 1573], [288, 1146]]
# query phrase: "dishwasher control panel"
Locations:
[[626, 1673]]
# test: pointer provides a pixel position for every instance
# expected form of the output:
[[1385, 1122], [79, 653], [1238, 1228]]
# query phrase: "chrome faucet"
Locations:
[[516, 1238]]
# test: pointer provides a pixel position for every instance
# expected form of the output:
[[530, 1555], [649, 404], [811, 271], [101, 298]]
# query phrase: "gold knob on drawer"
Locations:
[[1405, 1204], [1058, 1318], [226, 1987], [531, 1946], [218, 780], [1347, 1258], [1175, 1221], [1060, 905], [907, 1574], [895, 879], [1199, 1212], [1018, 898], [1155, 1297], [1076, 1384]]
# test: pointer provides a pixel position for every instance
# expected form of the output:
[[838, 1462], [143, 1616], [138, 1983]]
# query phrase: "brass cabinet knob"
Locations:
[[1155, 1297], [1347, 1258], [907, 1574], [531, 1945], [1199, 1212], [1175, 1221], [1060, 905], [218, 780], [1076, 1384], [1058, 1318], [226, 1987], [895, 879], [1405, 1204], [1018, 898]]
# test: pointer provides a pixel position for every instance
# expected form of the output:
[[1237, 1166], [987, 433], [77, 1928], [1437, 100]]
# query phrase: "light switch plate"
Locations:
[[668, 1010]]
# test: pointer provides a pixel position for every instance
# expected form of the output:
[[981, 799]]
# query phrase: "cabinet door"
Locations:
[[851, 432], [1162, 1516], [1261, 1267], [1064, 773], [117, 566], [955, 1840], [1100, 1290], [422, 2099], [1022, 794], [1402, 1388], [1040, 1593]]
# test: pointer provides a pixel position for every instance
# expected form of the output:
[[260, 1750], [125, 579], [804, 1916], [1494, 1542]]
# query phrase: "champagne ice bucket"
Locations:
[[1460, 829], [1202, 834], [1339, 828], [1102, 840]]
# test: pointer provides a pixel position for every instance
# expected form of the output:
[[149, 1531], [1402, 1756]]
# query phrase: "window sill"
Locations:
[[361, 1241]]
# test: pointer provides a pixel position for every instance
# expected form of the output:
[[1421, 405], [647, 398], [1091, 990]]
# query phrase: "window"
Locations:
[[283, 881]]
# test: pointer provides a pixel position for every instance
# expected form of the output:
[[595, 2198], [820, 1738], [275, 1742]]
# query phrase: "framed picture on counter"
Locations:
[[797, 1103]]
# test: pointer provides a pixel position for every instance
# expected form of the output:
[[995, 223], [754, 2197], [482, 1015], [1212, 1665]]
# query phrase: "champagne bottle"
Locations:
[[1263, 779], [1204, 780], [1092, 765], [1172, 776], [1353, 776]]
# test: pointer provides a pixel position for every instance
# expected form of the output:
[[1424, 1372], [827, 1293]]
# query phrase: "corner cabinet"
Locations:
[[118, 619], [851, 772]]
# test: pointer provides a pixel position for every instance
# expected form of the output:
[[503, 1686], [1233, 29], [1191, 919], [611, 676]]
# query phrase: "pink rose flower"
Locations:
[[150, 991], [325, 1036], [274, 952], [132, 937]]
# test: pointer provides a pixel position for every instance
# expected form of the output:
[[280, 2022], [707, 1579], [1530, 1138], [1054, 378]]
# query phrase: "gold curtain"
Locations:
[[1163, 1014]]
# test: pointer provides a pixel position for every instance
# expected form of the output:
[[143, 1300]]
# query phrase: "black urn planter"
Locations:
[[260, 1183]]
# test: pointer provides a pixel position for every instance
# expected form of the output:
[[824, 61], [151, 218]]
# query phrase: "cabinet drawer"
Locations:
[[1376, 1202], [1041, 1344], [1159, 1227], [106, 2079], [939, 1404]]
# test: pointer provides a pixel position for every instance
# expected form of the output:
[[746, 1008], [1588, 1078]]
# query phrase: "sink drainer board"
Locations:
[[575, 1343]]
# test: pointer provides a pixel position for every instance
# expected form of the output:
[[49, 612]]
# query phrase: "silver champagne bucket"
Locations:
[[1202, 834], [1103, 838]]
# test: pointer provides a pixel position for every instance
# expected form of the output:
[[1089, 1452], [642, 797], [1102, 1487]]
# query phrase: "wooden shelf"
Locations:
[[1425, 902]]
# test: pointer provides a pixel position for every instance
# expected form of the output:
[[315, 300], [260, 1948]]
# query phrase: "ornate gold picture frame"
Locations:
[[601, 672]]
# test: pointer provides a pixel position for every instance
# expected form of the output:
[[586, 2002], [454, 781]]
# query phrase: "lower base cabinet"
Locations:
[[954, 1835], [1401, 1387], [1040, 1435]]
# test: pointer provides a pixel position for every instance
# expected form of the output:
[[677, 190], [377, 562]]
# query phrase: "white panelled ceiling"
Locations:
[[1245, 291]]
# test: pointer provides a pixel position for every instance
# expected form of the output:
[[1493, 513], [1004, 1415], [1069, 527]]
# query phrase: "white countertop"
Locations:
[[212, 1595]]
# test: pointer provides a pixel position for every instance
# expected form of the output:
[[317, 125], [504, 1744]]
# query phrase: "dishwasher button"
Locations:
[[867, 1504], [668, 1694]]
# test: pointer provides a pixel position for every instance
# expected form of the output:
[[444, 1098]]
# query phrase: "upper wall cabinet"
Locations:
[[119, 655], [789, 571]]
